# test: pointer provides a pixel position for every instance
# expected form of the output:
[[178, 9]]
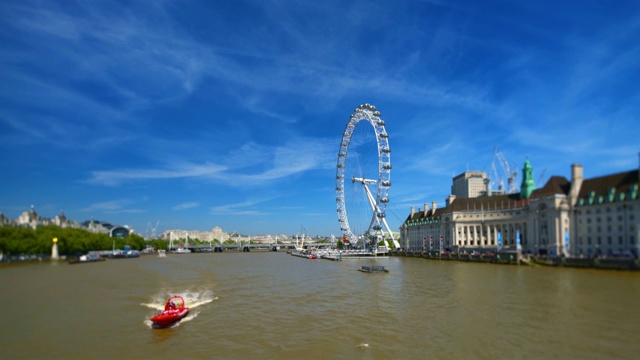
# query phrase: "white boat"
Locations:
[[162, 253], [182, 250]]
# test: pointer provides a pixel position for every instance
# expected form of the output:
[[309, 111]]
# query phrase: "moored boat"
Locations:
[[174, 311], [182, 250], [128, 252], [370, 269], [87, 259]]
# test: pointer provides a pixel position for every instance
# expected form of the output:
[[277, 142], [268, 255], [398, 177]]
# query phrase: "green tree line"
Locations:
[[17, 240]]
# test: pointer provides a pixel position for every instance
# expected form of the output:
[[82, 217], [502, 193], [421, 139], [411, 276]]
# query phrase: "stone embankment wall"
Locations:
[[516, 258]]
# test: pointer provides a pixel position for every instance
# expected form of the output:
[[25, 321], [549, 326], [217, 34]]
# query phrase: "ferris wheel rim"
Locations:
[[365, 112]]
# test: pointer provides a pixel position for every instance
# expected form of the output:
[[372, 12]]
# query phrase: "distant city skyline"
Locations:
[[195, 115]]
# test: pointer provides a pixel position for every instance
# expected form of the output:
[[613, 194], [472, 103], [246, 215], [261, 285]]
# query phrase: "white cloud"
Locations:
[[185, 206], [186, 170], [248, 208]]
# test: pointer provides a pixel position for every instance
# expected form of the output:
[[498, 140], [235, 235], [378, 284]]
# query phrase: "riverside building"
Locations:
[[578, 217]]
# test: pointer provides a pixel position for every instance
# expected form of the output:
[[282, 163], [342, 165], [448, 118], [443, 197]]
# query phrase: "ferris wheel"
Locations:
[[363, 178]]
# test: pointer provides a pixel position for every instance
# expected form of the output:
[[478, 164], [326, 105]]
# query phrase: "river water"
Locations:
[[265, 305]]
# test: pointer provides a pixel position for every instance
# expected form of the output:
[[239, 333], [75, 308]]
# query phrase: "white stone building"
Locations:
[[582, 217]]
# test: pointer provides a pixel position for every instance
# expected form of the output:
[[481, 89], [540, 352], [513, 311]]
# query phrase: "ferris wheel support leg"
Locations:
[[395, 242]]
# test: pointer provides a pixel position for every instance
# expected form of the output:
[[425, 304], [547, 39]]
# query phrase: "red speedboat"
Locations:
[[174, 310]]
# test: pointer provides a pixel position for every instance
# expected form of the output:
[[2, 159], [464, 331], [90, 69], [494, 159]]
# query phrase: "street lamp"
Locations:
[[54, 249]]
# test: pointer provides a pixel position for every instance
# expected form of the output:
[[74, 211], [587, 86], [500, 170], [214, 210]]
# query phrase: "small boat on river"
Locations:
[[182, 250], [174, 311], [127, 253], [87, 259], [370, 269]]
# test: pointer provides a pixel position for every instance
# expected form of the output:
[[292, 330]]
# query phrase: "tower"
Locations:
[[527, 186]]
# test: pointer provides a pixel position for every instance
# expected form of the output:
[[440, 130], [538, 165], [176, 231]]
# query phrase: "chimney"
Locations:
[[576, 182], [413, 210], [433, 206], [449, 200], [426, 209]]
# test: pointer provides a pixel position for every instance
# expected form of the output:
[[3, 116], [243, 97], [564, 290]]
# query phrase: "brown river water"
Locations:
[[268, 305]]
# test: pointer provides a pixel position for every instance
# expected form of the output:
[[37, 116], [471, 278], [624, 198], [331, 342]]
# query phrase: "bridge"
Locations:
[[236, 247]]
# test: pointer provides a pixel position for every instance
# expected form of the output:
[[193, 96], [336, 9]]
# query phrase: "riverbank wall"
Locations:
[[517, 258]]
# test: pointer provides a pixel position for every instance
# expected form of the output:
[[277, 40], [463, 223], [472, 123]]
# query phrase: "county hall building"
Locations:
[[577, 217]]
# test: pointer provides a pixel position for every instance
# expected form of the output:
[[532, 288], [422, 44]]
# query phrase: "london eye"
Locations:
[[363, 179]]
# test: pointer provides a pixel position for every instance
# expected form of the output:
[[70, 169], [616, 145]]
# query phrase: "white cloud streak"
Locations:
[[185, 206]]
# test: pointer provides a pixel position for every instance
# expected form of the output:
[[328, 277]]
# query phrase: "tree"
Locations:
[[71, 241], [159, 244]]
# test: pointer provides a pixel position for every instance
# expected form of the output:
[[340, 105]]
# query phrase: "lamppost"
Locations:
[[54, 249]]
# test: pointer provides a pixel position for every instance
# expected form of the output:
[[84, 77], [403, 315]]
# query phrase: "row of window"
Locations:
[[609, 228], [608, 209], [632, 240], [598, 219]]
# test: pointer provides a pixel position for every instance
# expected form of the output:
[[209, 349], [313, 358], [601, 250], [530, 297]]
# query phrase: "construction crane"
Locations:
[[153, 230], [541, 177], [511, 172]]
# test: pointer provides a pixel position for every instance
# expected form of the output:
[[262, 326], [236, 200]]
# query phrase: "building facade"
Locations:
[[215, 234], [469, 184], [606, 216], [580, 218], [33, 220]]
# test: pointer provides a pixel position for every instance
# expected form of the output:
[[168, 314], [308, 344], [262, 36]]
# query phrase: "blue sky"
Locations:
[[230, 113]]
